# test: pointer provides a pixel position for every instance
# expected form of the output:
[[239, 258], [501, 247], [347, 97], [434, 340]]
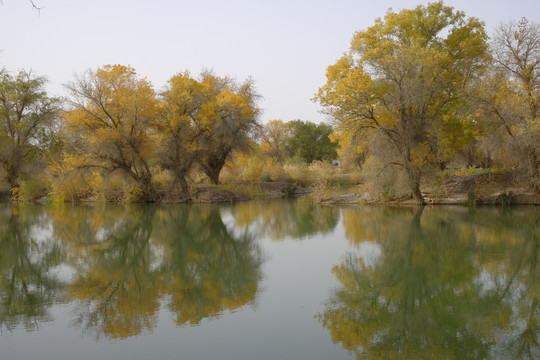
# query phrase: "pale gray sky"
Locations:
[[285, 45]]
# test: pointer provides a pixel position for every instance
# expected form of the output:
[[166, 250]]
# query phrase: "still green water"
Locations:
[[269, 280]]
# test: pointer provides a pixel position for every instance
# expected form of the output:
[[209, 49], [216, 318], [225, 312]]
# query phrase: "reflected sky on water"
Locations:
[[267, 280]]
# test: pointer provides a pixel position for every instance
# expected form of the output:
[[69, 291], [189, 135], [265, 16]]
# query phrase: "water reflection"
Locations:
[[280, 219], [117, 265], [206, 268], [443, 283], [27, 288], [447, 283], [116, 287]]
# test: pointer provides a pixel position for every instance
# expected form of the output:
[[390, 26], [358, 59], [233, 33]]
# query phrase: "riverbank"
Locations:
[[475, 189]]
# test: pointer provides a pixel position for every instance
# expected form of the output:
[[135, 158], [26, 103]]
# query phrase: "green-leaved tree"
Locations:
[[28, 118], [311, 141]]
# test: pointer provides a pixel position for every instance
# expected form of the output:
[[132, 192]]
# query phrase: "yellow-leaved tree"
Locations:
[[203, 120], [231, 119], [275, 136], [187, 118], [400, 77], [111, 124]]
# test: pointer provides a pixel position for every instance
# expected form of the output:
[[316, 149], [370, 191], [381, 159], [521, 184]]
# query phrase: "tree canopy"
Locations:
[[311, 141], [111, 117], [419, 93], [275, 136], [28, 121], [117, 123], [402, 79], [510, 94]]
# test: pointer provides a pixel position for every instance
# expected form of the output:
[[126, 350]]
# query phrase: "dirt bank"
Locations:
[[480, 189]]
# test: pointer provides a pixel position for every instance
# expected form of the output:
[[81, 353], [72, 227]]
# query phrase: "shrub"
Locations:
[[298, 172], [28, 190], [386, 182], [133, 194], [472, 198], [162, 179], [505, 199], [289, 191], [96, 186]]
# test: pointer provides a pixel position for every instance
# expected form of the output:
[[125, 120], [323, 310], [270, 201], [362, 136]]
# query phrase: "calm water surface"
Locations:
[[269, 280]]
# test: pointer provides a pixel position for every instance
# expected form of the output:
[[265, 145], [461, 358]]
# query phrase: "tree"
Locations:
[[112, 123], [275, 136], [401, 77], [231, 120], [27, 120], [512, 92], [183, 125], [352, 148], [35, 7], [32, 3], [311, 141]]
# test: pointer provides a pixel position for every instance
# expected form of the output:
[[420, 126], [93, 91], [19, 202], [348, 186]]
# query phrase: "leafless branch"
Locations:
[[388, 165], [35, 7]]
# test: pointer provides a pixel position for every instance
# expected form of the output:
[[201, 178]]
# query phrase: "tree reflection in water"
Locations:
[[206, 268], [280, 219], [440, 282], [27, 287], [448, 284], [123, 262], [116, 285]]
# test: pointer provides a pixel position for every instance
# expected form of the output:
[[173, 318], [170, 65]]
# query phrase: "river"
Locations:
[[268, 280]]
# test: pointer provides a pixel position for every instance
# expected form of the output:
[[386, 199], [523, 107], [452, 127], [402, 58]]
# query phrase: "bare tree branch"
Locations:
[[34, 6]]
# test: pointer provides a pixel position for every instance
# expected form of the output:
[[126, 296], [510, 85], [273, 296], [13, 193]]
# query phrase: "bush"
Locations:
[[28, 190], [298, 172], [505, 199], [266, 178], [289, 191], [96, 186], [162, 178], [472, 198], [133, 194], [386, 182]]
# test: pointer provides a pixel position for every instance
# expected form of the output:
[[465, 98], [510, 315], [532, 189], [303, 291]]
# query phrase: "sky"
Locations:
[[285, 46]]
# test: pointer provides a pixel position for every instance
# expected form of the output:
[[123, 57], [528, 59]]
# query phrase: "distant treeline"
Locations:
[[418, 92]]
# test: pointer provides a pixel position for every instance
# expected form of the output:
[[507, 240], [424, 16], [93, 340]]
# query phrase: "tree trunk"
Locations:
[[213, 174], [486, 161], [214, 162], [13, 178], [414, 176], [532, 169], [12, 174], [417, 195], [183, 184], [11, 159], [149, 193]]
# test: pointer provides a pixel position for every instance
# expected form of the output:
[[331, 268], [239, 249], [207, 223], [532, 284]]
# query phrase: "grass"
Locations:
[[250, 190], [469, 170]]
